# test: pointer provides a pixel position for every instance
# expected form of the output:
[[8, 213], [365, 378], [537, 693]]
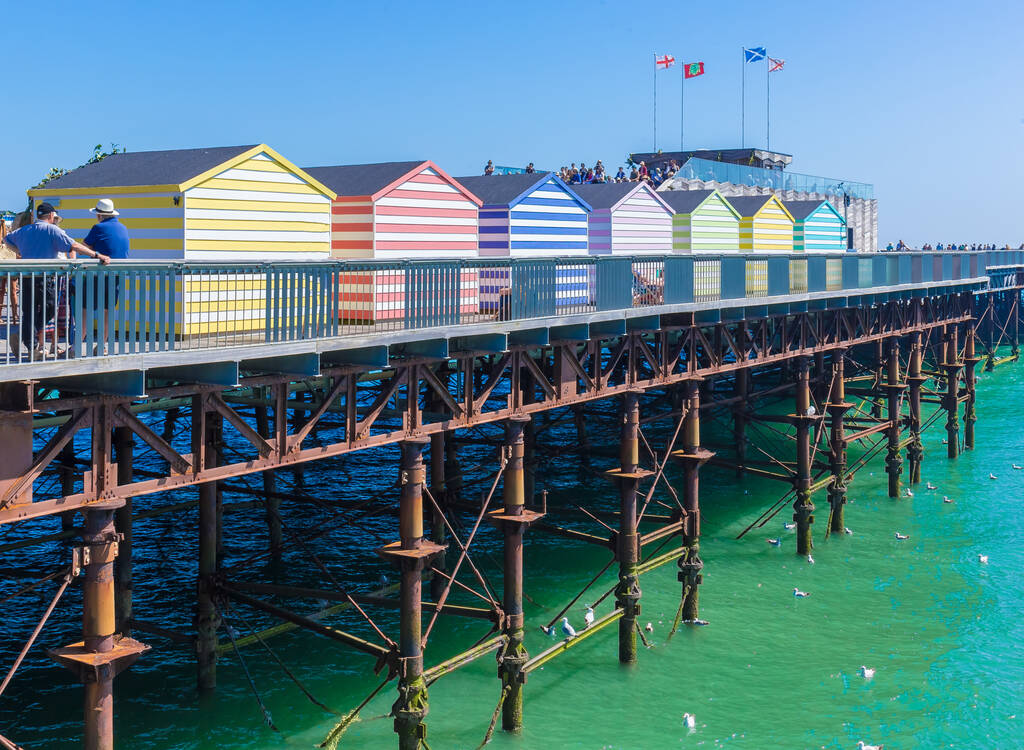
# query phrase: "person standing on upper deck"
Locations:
[[109, 237], [43, 240]]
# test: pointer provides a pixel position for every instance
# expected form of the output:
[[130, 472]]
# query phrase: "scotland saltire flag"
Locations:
[[753, 54]]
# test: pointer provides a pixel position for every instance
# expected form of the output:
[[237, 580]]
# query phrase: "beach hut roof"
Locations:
[[611, 194], [802, 209], [375, 180], [685, 201], [175, 169], [749, 205], [509, 189]]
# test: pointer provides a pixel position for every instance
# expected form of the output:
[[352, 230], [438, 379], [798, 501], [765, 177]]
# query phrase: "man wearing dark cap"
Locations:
[[43, 240]]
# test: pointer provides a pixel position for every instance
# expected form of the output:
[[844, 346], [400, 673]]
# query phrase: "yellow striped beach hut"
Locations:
[[765, 224], [245, 204]]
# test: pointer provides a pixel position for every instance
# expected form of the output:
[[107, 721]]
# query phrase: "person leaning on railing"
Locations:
[[108, 237], [43, 240]]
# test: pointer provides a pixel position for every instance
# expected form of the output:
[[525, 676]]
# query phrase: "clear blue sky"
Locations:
[[925, 100]]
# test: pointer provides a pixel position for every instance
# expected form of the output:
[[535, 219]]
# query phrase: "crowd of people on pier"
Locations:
[[598, 175], [939, 247]]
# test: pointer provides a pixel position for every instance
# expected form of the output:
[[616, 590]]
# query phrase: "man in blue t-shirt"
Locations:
[[109, 237], [43, 240]]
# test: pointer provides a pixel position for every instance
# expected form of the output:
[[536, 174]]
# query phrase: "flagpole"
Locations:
[[743, 98], [655, 102], [682, 103], [768, 100]]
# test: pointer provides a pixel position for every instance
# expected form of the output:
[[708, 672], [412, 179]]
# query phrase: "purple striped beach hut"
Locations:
[[627, 218]]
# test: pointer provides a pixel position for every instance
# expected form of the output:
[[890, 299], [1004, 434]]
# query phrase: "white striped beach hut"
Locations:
[[627, 218], [531, 216]]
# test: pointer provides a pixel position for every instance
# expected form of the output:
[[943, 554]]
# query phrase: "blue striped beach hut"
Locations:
[[531, 216], [817, 226]]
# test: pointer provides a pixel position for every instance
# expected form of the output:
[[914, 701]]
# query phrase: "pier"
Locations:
[[865, 348]]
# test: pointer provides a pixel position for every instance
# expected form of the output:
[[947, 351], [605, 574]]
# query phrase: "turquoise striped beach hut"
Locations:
[[702, 221], [817, 226], [531, 216]]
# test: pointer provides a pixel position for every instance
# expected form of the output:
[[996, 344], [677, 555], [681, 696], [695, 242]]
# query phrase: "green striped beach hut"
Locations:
[[702, 221], [817, 226]]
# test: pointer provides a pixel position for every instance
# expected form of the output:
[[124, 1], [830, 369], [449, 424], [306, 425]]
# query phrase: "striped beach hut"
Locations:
[[626, 218], [404, 210], [703, 221], [765, 224], [245, 204], [817, 226], [531, 216]]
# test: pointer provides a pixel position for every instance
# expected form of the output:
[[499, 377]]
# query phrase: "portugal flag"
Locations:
[[692, 70]]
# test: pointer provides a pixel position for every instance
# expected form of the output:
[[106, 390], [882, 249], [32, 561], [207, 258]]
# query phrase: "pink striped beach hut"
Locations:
[[409, 210], [628, 218]]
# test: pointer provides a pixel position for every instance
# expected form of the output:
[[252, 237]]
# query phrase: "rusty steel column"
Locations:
[[837, 407], [741, 391], [915, 449], [206, 620], [411, 554], [970, 416], [529, 462], [271, 501], [124, 444], [990, 332], [98, 625], [803, 507], [692, 457], [1015, 324], [894, 458], [514, 518], [951, 365], [67, 482], [440, 494], [627, 548], [876, 404]]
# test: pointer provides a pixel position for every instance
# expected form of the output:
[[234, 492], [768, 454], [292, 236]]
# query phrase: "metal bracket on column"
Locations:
[[91, 666]]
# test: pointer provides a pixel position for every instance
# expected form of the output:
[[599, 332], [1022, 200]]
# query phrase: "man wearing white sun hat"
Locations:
[[107, 237]]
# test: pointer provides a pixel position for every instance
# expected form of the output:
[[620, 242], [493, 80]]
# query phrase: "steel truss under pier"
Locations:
[[852, 374]]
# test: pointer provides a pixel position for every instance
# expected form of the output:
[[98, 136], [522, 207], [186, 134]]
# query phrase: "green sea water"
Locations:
[[943, 630]]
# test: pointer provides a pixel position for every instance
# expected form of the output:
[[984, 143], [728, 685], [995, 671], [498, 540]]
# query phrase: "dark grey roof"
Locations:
[[499, 189], [684, 201], [147, 168], [361, 179], [802, 209], [748, 205], [604, 195]]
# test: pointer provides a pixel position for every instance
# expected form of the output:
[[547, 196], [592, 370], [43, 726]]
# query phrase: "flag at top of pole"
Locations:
[[753, 54], [664, 62], [692, 70], [775, 65]]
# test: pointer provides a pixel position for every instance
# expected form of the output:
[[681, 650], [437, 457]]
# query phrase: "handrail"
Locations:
[[84, 309]]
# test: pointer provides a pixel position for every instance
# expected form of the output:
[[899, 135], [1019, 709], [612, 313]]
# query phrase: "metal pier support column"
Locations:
[[951, 365], [990, 332], [876, 404], [741, 391], [970, 416], [67, 482], [272, 502], [207, 621], [101, 655], [803, 508], [837, 407], [514, 518], [627, 547], [893, 457], [124, 444], [692, 456], [411, 554], [439, 491], [915, 449]]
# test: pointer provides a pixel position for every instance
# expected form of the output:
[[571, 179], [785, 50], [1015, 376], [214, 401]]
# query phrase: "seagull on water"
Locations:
[[910, 492], [649, 628], [775, 542], [1018, 468], [383, 580], [547, 630], [983, 559], [866, 672], [789, 526], [945, 441], [862, 746], [696, 622], [992, 476], [689, 721], [930, 486], [810, 560], [901, 537], [569, 630], [589, 616], [848, 530], [947, 499], [800, 594]]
